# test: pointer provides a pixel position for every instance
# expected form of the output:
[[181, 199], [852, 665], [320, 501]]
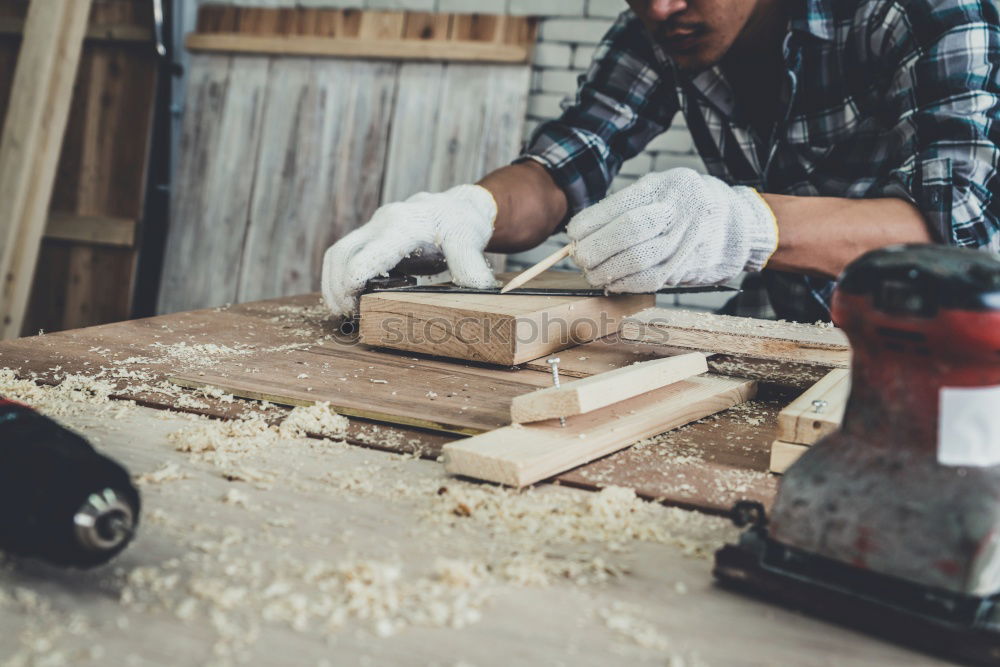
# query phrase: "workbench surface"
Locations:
[[261, 545], [327, 553]]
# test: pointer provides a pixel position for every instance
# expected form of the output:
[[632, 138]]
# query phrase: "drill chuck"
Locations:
[[60, 500]]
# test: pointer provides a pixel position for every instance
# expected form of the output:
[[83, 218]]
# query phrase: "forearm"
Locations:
[[529, 206], [821, 235]]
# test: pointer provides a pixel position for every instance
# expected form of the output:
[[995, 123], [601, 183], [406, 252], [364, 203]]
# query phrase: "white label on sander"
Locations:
[[969, 426]]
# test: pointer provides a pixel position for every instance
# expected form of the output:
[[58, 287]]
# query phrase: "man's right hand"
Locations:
[[458, 222]]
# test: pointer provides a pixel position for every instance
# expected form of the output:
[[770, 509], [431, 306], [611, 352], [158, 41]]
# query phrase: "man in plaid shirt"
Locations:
[[829, 128]]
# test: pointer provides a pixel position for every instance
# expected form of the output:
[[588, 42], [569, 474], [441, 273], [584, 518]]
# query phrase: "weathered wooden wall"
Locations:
[[280, 156], [86, 268]]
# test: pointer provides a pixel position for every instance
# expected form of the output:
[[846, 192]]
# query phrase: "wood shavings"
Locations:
[[168, 472], [319, 420], [625, 621]]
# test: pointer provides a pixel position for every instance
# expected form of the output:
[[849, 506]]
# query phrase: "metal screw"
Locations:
[[818, 406], [554, 364]]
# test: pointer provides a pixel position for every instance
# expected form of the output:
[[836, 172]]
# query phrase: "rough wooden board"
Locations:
[[804, 423], [784, 454], [98, 196], [32, 136], [741, 336], [323, 143], [376, 385], [521, 455], [612, 352], [490, 328], [100, 230], [598, 391], [318, 139], [707, 465], [365, 34], [212, 192]]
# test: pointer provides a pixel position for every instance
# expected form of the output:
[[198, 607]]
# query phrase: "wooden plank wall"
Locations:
[[280, 156], [87, 262]]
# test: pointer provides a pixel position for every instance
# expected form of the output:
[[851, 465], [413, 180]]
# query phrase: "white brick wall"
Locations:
[[568, 35]]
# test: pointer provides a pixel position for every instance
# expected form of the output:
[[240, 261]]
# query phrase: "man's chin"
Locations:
[[692, 63]]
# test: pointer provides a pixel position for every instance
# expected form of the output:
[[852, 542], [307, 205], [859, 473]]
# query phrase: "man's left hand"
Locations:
[[676, 227]]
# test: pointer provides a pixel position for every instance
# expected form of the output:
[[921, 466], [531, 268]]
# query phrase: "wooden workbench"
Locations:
[[263, 549], [224, 571]]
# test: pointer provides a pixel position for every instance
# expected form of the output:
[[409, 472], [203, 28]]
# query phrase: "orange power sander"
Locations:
[[892, 524]]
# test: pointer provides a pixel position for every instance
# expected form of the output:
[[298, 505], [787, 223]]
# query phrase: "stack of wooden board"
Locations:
[[813, 415], [603, 414]]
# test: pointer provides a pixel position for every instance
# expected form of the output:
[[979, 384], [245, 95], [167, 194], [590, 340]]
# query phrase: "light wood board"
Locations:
[[742, 336], [804, 422], [491, 328], [381, 386], [599, 391], [524, 454], [784, 454], [30, 144]]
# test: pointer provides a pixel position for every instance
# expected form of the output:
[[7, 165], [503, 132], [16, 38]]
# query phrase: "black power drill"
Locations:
[[66, 503]]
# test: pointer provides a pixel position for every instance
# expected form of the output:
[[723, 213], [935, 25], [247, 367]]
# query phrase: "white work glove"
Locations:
[[673, 228], [459, 222]]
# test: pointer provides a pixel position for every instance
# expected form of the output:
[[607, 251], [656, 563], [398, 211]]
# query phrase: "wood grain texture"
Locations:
[[521, 455], [335, 138], [708, 464], [380, 387], [349, 33], [211, 199], [100, 176], [784, 454], [453, 124], [740, 336], [91, 229], [322, 148], [804, 422], [490, 328], [599, 391], [29, 147]]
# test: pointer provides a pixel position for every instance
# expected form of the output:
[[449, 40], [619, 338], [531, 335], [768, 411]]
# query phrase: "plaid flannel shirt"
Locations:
[[883, 99]]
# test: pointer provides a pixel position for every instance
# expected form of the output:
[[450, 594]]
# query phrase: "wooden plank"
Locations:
[[96, 32], [93, 229], [211, 198], [490, 328], [365, 34], [431, 151], [599, 391], [804, 421], [784, 454], [522, 455], [29, 148], [317, 176], [382, 386], [409, 49], [428, 26], [740, 336], [382, 26], [99, 190]]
